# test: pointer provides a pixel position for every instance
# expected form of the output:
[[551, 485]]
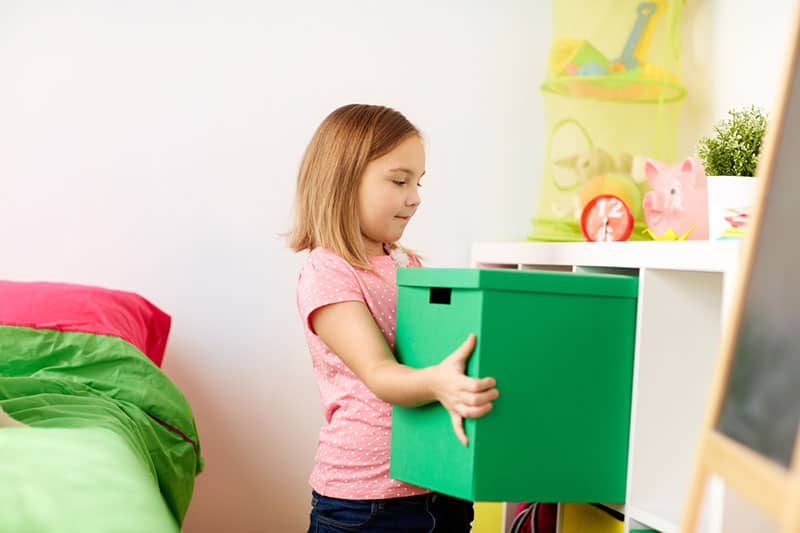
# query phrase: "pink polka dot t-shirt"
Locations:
[[352, 460]]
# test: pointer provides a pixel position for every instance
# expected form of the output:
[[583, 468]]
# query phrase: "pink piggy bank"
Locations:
[[678, 199]]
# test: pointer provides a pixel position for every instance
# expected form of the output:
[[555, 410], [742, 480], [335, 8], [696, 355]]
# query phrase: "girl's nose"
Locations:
[[413, 198]]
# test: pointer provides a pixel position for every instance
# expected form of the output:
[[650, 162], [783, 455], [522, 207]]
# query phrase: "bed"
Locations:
[[94, 437]]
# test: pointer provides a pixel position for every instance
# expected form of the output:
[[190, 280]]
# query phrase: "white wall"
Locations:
[[153, 145], [734, 55]]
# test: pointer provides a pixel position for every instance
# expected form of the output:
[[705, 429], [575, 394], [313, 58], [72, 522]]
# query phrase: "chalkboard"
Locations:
[[761, 400]]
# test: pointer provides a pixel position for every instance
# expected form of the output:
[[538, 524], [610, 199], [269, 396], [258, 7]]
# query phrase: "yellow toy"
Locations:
[[639, 51], [668, 235]]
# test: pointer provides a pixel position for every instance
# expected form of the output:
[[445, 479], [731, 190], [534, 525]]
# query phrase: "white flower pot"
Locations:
[[730, 205]]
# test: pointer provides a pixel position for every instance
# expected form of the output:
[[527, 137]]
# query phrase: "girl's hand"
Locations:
[[463, 396]]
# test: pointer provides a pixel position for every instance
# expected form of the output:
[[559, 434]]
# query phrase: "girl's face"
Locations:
[[388, 194]]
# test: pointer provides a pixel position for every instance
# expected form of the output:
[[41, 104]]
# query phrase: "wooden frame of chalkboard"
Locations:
[[750, 438]]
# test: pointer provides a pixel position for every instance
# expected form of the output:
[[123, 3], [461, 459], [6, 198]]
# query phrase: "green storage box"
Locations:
[[559, 344]]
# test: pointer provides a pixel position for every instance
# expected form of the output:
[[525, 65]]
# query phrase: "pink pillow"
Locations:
[[86, 309]]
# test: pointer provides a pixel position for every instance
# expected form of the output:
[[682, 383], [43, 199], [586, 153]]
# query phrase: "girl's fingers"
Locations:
[[469, 411], [476, 400], [469, 384], [462, 353], [485, 383], [458, 427]]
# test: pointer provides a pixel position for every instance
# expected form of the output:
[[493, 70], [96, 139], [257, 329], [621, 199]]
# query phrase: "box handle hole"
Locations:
[[440, 295]]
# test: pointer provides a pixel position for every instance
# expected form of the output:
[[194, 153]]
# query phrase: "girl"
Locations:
[[356, 191]]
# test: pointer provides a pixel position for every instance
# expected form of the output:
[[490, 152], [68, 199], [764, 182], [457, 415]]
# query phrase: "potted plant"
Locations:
[[730, 160]]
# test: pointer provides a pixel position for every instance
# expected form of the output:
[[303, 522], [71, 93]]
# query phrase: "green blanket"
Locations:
[[111, 443]]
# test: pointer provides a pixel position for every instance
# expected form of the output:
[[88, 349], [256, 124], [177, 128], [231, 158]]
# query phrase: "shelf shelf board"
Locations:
[[661, 520], [700, 256]]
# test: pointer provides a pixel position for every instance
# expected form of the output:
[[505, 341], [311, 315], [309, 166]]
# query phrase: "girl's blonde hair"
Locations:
[[327, 184]]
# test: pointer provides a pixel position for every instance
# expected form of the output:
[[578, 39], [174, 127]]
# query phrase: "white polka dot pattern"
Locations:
[[352, 460]]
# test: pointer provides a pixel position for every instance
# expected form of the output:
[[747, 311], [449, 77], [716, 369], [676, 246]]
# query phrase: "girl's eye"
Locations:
[[399, 182]]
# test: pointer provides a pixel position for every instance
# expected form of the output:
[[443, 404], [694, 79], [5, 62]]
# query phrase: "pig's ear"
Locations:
[[652, 169], [691, 166]]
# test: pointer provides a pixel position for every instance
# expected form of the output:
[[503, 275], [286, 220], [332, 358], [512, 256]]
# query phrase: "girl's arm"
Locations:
[[350, 331]]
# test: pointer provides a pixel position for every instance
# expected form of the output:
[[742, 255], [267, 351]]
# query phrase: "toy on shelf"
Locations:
[[678, 201], [606, 218], [611, 204], [582, 171], [589, 175], [669, 235]]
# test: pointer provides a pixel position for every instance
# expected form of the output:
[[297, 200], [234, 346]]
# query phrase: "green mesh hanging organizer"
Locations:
[[612, 96]]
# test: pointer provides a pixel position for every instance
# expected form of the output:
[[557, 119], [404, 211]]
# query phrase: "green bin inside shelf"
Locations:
[[559, 344]]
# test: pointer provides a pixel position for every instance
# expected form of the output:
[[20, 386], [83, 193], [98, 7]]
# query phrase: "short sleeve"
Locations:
[[325, 279]]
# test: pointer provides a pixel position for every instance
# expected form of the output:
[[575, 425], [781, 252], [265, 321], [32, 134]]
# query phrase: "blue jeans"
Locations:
[[425, 513]]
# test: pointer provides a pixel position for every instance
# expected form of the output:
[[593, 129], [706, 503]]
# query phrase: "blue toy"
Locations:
[[644, 11]]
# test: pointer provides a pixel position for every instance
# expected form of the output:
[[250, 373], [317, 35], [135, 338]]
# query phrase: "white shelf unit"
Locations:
[[684, 291]]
